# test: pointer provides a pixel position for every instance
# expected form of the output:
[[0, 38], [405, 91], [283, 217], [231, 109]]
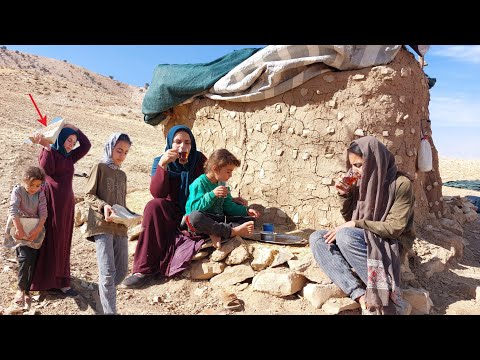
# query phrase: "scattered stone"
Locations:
[[318, 294], [359, 132], [334, 306], [419, 299], [358, 77], [238, 255], [385, 70], [156, 300], [281, 257], [233, 275], [278, 282]]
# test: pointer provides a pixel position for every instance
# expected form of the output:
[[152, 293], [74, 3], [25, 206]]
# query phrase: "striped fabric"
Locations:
[[278, 68]]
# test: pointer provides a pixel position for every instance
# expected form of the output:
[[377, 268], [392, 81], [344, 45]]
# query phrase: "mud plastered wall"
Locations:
[[292, 146]]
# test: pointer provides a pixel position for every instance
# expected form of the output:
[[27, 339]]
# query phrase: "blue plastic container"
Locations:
[[268, 228]]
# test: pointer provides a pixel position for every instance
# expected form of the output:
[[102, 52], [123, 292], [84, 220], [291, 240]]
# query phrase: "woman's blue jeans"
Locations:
[[337, 259]]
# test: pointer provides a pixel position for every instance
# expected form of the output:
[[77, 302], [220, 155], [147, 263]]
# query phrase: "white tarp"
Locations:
[[279, 68]]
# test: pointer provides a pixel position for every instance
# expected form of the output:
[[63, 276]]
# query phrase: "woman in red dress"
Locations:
[[58, 159]]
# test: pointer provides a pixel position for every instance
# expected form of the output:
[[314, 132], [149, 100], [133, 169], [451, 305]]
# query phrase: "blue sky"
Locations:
[[454, 106]]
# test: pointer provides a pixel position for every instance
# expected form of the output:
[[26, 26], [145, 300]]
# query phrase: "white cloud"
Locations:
[[466, 53], [454, 112]]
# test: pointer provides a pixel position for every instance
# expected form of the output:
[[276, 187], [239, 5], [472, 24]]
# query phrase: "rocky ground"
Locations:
[[99, 106]]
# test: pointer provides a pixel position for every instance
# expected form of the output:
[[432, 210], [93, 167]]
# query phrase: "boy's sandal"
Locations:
[[232, 303]]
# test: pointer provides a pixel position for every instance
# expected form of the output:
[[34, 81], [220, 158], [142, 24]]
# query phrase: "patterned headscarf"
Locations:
[[62, 137], [375, 198], [108, 149], [175, 169]]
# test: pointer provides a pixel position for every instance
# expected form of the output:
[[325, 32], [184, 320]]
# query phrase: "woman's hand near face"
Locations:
[[341, 187], [169, 156], [40, 139]]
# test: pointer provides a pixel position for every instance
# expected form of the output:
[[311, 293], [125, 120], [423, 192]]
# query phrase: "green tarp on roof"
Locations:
[[172, 84]]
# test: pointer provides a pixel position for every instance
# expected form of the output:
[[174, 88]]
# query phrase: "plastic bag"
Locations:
[[52, 130], [425, 156], [28, 225]]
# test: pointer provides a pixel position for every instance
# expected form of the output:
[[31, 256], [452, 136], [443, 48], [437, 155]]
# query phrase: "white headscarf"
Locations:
[[108, 150]]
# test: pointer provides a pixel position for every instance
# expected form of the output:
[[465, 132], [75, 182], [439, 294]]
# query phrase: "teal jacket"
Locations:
[[202, 198]]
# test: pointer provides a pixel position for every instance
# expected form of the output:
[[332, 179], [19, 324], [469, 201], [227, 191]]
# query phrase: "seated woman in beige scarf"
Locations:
[[378, 209]]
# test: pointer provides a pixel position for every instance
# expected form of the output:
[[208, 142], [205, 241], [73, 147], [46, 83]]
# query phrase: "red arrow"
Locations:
[[43, 119]]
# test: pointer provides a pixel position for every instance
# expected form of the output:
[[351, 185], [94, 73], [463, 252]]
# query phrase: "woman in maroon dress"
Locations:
[[162, 248], [53, 264]]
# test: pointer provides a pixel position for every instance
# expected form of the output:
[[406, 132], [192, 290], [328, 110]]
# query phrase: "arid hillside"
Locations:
[[100, 106]]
